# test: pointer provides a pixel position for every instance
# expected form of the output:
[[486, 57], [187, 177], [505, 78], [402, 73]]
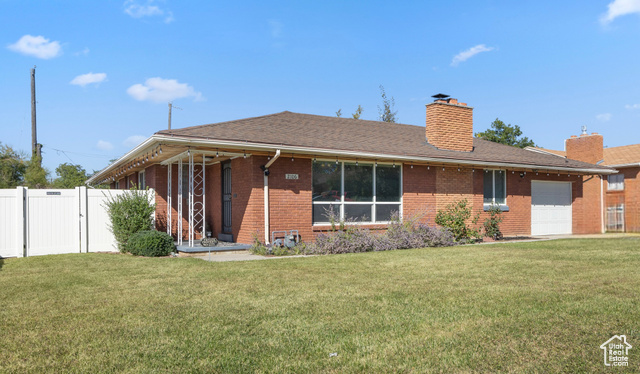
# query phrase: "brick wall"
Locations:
[[587, 205], [517, 221], [630, 197], [587, 148], [419, 192], [587, 208], [453, 185], [450, 125], [247, 212], [290, 199]]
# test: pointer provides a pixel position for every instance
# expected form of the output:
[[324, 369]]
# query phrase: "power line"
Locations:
[[94, 155]]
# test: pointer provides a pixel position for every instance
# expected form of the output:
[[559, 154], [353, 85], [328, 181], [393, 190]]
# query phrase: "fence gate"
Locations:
[[53, 224], [44, 222]]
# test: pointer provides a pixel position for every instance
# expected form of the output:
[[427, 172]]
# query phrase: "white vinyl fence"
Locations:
[[43, 222]]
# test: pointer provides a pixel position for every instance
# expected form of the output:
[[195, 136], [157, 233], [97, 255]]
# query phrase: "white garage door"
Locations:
[[550, 208]]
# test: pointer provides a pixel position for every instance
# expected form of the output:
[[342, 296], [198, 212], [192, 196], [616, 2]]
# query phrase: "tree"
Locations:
[[339, 113], [35, 175], [506, 134], [357, 113], [12, 167], [70, 176], [386, 112]]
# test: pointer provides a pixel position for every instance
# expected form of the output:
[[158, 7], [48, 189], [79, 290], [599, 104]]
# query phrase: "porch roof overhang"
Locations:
[[181, 143]]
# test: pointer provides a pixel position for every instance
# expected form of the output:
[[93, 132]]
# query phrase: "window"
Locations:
[[142, 183], [616, 182], [117, 186], [359, 191], [495, 187], [615, 217]]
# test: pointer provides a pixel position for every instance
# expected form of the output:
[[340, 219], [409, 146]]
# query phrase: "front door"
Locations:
[[226, 197]]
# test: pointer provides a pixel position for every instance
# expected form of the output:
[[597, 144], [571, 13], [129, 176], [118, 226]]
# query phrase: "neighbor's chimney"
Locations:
[[587, 148], [449, 124]]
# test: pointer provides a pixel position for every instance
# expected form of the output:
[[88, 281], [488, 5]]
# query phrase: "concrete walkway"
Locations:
[[239, 256]]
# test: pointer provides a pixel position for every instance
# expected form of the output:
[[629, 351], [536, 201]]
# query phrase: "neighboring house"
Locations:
[[621, 190], [284, 171]]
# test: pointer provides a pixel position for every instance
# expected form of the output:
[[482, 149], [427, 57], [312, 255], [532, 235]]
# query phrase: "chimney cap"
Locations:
[[440, 96]]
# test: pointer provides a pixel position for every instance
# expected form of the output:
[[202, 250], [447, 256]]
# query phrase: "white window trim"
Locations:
[[493, 188], [373, 202]]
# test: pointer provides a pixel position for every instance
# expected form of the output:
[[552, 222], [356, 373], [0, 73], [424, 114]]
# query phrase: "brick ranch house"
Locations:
[[284, 171], [621, 190]]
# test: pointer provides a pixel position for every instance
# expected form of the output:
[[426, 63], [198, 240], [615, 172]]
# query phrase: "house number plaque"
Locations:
[[291, 176]]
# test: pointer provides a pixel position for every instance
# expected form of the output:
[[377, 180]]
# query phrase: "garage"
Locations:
[[550, 208]]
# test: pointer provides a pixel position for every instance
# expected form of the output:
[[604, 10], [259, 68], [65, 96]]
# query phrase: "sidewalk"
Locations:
[[239, 256]]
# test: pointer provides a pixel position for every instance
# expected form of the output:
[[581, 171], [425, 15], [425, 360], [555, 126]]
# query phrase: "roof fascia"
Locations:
[[633, 164], [137, 151], [330, 152], [532, 149]]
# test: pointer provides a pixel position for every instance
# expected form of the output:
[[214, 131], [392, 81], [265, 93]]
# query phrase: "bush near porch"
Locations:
[[521, 307]]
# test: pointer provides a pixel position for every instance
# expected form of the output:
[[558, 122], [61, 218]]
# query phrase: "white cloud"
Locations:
[[276, 28], [604, 117], [148, 9], [104, 145], [619, 8], [84, 52], [465, 55], [169, 18], [37, 46], [134, 140], [632, 106], [85, 79], [161, 90]]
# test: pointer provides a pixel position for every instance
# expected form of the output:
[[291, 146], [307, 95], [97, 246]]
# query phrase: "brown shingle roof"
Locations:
[[346, 134], [626, 154]]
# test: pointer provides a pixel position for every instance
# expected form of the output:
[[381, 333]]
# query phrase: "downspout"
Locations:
[[265, 168], [602, 217]]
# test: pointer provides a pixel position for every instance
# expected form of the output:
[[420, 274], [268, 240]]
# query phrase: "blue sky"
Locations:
[[106, 69]]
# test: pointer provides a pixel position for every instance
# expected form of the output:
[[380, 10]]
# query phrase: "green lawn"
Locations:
[[528, 307]]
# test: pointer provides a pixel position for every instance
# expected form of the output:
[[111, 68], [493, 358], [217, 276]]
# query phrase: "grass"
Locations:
[[526, 307]]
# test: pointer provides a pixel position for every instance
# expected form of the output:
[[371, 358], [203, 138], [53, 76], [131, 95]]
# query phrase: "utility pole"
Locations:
[[35, 147], [171, 107]]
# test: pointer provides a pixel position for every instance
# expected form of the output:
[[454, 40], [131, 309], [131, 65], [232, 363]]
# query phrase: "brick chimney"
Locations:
[[587, 148], [450, 125]]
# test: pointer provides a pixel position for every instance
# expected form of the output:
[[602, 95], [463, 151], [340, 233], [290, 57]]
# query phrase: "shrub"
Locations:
[[350, 240], [401, 234], [410, 233], [492, 224], [150, 243], [129, 213], [455, 217], [257, 248]]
